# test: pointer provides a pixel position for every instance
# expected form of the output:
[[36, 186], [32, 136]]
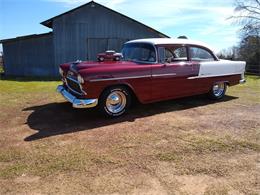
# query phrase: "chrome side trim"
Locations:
[[206, 76], [120, 78], [133, 77], [76, 103], [162, 75]]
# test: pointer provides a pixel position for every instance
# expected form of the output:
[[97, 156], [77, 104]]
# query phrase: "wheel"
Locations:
[[115, 101], [218, 91], [101, 59]]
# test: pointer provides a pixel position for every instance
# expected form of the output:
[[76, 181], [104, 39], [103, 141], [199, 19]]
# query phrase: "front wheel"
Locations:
[[218, 91], [115, 101]]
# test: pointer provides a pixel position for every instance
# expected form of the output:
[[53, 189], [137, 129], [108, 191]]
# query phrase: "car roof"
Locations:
[[164, 41]]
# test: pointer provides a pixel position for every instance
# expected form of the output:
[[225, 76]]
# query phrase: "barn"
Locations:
[[78, 34]]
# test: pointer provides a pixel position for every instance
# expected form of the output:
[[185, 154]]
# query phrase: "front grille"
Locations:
[[73, 86]]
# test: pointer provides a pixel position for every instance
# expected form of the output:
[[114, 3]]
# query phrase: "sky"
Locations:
[[203, 20]]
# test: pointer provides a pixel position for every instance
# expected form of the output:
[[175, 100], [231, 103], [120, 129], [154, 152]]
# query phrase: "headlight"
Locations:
[[80, 79], [61, 71]]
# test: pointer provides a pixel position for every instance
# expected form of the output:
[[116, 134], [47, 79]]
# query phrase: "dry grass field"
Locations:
[[185, 146]]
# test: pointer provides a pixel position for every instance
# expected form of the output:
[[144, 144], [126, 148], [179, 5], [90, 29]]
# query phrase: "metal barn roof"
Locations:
[[48, 23], [25, 37]]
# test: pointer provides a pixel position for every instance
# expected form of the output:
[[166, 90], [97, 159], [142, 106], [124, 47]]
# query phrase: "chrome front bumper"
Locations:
[[76, 103]]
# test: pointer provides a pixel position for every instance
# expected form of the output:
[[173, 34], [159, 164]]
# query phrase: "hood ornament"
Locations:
[[73, 65]]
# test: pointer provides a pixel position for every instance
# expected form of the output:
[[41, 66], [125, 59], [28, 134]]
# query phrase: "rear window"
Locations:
[[200, 54]]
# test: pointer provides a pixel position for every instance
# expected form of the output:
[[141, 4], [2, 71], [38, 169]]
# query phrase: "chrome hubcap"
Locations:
[[116, 102], [218, 89]]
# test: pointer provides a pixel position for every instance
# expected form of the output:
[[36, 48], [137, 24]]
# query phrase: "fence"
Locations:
[[253, 69]]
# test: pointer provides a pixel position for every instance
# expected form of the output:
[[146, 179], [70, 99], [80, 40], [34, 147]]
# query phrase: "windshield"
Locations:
[[139, 52]]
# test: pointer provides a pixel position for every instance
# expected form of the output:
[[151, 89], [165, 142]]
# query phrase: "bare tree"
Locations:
[[231, 53], [247, 13]]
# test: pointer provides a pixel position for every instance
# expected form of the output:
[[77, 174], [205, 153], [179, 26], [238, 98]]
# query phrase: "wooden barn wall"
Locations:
[[29, 57], [85, 32]]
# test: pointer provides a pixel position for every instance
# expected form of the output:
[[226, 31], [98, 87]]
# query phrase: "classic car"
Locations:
[[109, 55], [151, 70]]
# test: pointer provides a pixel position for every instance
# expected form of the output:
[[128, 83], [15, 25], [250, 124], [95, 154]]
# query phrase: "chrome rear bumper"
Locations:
[[242, 81], [76, 103]]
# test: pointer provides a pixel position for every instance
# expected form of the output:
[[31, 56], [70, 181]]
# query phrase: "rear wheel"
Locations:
[[218, 91], [115, 101]]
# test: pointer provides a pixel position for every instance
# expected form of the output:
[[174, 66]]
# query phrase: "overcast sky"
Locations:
[[204, 20]]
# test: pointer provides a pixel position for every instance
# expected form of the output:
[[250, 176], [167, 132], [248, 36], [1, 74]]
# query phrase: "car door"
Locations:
[[200, 55], [170, 75]]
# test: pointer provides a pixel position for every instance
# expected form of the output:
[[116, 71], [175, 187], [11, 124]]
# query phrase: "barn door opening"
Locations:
[[99, 45], [95, 46]]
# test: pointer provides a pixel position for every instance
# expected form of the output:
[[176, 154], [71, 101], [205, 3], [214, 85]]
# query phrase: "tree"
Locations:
[[231, 53], [182, 37], [249, 49], [247, 14]]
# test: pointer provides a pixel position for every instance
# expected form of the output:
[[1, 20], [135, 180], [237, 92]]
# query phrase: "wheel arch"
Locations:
[[226, 82], [127, 86]]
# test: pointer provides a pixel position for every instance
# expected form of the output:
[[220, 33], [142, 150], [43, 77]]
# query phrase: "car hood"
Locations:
[[92, 70], [102, 65]]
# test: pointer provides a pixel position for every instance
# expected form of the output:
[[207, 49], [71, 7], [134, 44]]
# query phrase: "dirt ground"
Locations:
[[185, 146]]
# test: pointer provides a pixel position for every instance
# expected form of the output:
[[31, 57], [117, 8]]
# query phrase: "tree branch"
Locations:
[[249, 10], [258, 2], [250, 17]]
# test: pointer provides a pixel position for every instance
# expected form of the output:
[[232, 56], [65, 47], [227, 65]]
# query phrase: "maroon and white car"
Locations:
[[151, 70]]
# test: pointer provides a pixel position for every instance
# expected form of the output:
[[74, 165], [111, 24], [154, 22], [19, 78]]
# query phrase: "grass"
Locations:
[[249, 91], [14, 93], [203, 144], [1, 69], [7, 86], [192, 157], [209, 148], [198, 149], [42, 162]]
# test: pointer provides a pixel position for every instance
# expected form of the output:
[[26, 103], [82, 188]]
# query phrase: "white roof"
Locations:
[[162, 41]]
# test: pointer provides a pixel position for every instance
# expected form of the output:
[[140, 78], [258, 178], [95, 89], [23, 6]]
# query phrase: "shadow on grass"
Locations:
[[60, 118]]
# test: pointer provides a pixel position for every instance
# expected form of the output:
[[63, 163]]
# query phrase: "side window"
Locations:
[[181, 53], [200, 54], [176, 53]]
